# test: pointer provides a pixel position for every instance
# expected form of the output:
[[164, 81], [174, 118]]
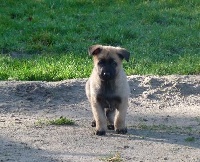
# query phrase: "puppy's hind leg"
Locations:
[[110, 119], [93, 123], [110, 114]]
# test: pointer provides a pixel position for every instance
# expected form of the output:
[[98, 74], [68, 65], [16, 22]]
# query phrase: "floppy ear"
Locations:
[[95, 49], [123, 54]]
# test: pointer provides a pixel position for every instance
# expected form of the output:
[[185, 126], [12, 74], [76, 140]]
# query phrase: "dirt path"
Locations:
[[163, 122]]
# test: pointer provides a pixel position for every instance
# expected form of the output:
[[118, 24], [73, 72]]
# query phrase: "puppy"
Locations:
[[107, 89]]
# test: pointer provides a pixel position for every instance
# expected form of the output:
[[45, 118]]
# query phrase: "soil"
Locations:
[[163, 121]]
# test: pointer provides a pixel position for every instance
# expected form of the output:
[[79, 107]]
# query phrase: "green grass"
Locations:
[[48, 40], [44, 67], [113, 158], [57, 121], [190, 139], [61, 121]]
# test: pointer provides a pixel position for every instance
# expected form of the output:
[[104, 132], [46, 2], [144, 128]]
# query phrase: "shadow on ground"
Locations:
[[19, 151], [189, 140]]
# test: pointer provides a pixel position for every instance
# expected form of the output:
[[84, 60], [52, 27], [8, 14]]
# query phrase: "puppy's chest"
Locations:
[[107, 96]]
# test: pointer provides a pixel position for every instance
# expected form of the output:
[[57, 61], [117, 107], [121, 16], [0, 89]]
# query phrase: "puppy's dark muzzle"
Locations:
[[106, 76], [107, 69]]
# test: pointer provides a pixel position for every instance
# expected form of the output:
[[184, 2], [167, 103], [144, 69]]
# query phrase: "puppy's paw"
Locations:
[[111, 127], [93, 123], [100, 133], [121, 131]]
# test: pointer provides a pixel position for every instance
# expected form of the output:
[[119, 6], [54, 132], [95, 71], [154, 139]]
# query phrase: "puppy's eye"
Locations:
[[113, 63], [101, 62]]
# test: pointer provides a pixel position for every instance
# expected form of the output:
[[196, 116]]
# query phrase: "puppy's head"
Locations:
[[108, 60]]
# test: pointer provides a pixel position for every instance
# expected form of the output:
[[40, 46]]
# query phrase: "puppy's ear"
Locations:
[[123, 54], [95, 49]]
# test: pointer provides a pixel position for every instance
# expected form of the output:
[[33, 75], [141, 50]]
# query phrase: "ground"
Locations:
[[163, 122]]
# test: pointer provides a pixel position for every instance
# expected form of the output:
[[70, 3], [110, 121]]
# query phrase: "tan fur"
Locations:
[[93, 86]]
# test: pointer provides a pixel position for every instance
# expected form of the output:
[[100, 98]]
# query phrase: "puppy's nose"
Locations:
[[107, 75]]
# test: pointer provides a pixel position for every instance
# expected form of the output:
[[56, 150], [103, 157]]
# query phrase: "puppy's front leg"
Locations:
[[100, 118], [119, 123]]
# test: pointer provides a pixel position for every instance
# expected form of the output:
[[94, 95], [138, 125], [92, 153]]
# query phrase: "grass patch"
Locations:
[[58, 121], [61, 121], [190, 139], [53, 36], [113, 158]]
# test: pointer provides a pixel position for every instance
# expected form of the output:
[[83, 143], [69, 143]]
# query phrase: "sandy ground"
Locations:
[[163, 122]]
